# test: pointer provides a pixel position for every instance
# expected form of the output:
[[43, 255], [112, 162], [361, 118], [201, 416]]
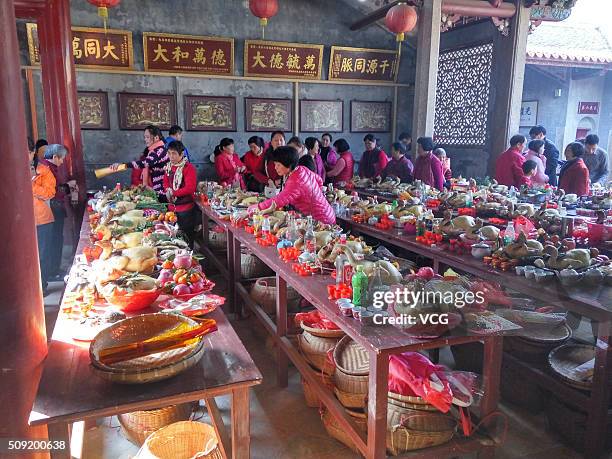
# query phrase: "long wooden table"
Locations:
[[69, 391], [380, 343], [593, 302]]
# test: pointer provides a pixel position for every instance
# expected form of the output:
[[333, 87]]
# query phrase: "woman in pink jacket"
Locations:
[[302, 188], [536, 154]]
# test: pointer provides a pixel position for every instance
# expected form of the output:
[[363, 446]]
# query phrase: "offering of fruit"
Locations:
[[183, 276]]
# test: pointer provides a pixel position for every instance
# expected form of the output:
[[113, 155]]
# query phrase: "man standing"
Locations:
[[596, 160], [176, 133], [550, 152]]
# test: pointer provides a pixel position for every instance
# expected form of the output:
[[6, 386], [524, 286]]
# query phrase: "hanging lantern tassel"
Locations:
[[400, 19], [264, 10], [103, 6]]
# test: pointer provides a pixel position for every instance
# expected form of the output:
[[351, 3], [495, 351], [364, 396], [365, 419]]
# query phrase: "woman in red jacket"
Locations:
[[374, 159], [302, 188], [277, 139], [229, 168], [180, 180], [342, 171], [574, 175], [255, 175]]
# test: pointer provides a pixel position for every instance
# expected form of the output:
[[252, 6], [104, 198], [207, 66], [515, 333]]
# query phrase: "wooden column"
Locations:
[[509, 56], [22, 319], [60, 88], [428, 49]]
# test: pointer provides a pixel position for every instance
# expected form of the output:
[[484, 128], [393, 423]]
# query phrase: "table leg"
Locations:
[[596, 425], [491, 371], [377, 405], [57, 433], [241, 435], [219, 425], [282, 361], [234, 271]]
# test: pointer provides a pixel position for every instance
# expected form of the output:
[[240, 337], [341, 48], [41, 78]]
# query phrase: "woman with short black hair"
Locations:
[[327, 152], [428, 168], [574, 175], [277, 139], [229, 168], [313, 147], [374, 159], [304, 158], [302, 188], [342, 172], [255, 176]]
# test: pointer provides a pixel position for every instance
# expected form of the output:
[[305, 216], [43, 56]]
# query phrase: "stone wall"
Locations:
[[301, 21]]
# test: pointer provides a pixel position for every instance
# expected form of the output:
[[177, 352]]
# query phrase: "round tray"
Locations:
[[155, 367], [564, 359]]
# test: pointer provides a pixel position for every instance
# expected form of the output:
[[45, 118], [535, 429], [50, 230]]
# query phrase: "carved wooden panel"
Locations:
[[462, 97]]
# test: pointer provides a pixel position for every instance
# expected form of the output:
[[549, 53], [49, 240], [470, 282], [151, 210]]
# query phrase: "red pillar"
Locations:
[[59, 86], [22, 320]]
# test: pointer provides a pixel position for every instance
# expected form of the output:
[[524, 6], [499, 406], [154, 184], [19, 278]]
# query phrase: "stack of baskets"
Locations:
[[138, 425], [414, 424], [182, 440], [263, 293], [252, 267], [334, 429], [351, 373], [315, 344]]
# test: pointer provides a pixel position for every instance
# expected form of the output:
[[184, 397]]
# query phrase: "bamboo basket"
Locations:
[[315, 349], [252, 267], [138, 425], [412, 418], [217, 240], [351, 372], [410, 401], [263, 293], [534, 343], [323, 333], [564, 359], [336, 431], [312, 399], [401, 438], [351, 400], [182, 440]]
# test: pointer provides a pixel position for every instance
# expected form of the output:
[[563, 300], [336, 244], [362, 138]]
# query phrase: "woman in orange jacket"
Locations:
[[43, 189]]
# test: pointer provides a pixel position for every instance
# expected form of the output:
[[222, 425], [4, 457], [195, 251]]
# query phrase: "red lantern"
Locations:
[[103, 6], [401, 19], [264, 10]]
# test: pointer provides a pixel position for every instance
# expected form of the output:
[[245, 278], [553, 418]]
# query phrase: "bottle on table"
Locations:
[[509, 234], [265, 226], [292, 234], [375, 284], [310, 241], [360, 287]]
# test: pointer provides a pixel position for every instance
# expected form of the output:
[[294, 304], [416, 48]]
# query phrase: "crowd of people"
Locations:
[[537, 163]]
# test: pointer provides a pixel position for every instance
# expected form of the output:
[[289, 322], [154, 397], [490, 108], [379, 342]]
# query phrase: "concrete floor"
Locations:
[[283, 427]]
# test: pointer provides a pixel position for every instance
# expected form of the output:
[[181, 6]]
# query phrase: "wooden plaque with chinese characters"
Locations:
[[362, 64], [188, 54], [282, 60], [92, 48]]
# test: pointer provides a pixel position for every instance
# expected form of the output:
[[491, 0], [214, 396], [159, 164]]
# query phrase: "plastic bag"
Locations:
[[523, 225], [270, 191], [315, 319], [412, 374]]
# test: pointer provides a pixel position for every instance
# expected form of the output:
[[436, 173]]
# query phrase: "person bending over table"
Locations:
[[155, 160], [302, 188], [180, 181]]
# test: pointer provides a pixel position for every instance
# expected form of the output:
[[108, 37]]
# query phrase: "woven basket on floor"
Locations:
[[351, 372], [315, 349], [138, 425], [217, 240], [339, 433], [414, 418], [401, 438], [534, 343], [352, 400], [182, 440], [408, 401], [312, 399], [563, 360], [263, 293], [252, 267]]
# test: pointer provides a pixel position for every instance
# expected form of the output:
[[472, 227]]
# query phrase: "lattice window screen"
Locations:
[[462, 97]]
